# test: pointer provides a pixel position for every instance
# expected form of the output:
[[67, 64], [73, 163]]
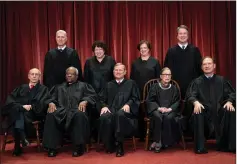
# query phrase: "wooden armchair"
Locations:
[[147, 119], [36, 126]]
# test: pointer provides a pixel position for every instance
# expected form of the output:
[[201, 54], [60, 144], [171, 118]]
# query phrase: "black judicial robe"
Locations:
[[118, 124], [115, 96], [185, 65], [56, 63], [67, 98], [98, 73], [144, 70], [155, 99], [213, 94], [165, 126], [38, 97]]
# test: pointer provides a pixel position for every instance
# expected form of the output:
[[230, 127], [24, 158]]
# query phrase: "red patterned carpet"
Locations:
[[174, 155]]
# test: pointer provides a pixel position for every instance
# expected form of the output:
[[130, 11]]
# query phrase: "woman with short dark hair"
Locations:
[[98, 69]]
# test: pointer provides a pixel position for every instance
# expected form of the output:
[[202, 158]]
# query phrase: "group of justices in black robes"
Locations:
[[66, 110], [213, 101], [98, 68], [163, 107], [119, 102], [98, 72], [25, 104]]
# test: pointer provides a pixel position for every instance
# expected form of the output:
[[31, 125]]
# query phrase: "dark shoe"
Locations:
[[203, 151], [25, 143], [157, 149], [17, 152], [119, 150], [51, 153], [110, 151], [79, 151]]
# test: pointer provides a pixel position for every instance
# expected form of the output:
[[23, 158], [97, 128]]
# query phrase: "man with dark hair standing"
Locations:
[[213, 99], [57, 60], [184, 60]]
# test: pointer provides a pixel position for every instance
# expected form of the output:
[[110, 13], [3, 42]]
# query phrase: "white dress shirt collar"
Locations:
[[181, 45], [62, 48], [210, 76], [119, 81]]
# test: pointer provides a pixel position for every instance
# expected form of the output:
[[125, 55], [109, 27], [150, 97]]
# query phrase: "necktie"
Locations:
[[183, 47], [61, 50], [31, 86]]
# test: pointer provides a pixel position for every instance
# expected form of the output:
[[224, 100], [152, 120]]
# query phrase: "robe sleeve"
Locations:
[[134, 100], [40, 104], [151, 104], [176, 100], [86, 72], [229, 92], [54, 95], [12, 105], [168, 62], [75, 62], [192, 92], [198, 62], [157, 69], [112, 68], [103, 94], [132, 72], [48, 78], [89, 94]]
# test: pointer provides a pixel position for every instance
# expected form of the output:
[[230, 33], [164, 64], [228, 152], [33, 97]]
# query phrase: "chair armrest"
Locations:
[[146, 119], [35, 122]]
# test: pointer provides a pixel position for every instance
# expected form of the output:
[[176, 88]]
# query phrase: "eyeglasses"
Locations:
[[70, 74], [166, 74], [32, 74]]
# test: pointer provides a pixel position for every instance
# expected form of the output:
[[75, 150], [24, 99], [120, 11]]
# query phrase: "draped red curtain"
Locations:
[[27, 32]]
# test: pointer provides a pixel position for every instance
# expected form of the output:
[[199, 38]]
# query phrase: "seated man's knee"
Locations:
[[120, 113], [105, 116], [80, 114], [49, 116]]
